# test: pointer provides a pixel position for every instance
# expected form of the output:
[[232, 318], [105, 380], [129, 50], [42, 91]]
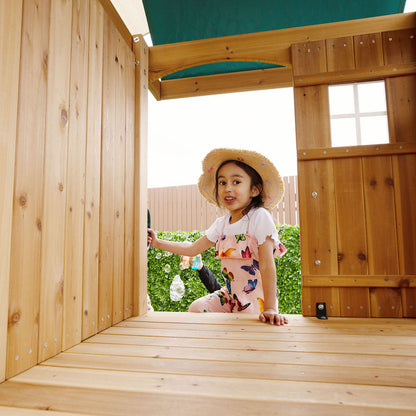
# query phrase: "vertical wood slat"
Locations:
[[380, 215], [56, 145], [191, 212], [313, 131], [10, 40], [75, 186], [129, 188], [399, 48], [368, 50], [381, 233], [351, 235], [141, 52], [93, 172], [340, 54], [401, 108], [119, 182], [404, 168], [22, 337], [107, 205]]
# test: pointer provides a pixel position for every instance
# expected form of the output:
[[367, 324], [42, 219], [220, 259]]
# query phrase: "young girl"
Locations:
[[246, 184]]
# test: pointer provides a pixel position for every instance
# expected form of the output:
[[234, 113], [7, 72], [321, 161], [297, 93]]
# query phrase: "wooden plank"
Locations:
[[312, 131], [312, 295], [359, 280], [236, 388], [114, 403], [309, 57], [356, 151], [380, 215], [107, 204], [256, 80], [399, 46], [386, 303], [141, 52], [129, 189], [370, 376], [271, 46], [23, 324], [401, 108], [354, 302], [376, 334], [119, 179], [409, 303], [365, 74], [368, 50], [404, 168], [350, 217], [10, 41], [340, 54], [56, 149], [6, 411], [321, 346], [75, 185], [93, 172], [317, 218]]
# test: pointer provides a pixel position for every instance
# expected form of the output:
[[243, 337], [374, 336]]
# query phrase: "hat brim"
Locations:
[[273, 188]]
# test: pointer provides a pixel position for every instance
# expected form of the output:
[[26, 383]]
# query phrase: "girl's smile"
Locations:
[[235, 190]]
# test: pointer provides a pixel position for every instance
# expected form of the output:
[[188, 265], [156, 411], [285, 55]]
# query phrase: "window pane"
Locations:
[[374, 130], [372, 97], [343, 132], [341, 99]]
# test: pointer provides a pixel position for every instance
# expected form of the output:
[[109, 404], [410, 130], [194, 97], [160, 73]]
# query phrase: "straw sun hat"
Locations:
[[272, 182]]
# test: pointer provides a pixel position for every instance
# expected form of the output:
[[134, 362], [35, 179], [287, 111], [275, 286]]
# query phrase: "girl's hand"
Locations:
[[151, 237], [272, 317]]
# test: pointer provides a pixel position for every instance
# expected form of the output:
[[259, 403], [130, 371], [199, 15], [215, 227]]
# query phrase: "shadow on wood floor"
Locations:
[[223, 364]]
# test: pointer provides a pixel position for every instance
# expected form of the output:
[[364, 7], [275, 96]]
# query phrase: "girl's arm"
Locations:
[[182, 248], [268, 273]]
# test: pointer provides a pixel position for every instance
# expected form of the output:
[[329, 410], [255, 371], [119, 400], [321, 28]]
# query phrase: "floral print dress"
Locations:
[[239, 255]]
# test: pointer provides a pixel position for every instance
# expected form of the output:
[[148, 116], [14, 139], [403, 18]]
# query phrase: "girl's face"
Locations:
[[235, 190]]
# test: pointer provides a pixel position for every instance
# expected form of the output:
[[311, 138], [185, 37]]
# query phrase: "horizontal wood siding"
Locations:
[[63, 168], [182, 208]]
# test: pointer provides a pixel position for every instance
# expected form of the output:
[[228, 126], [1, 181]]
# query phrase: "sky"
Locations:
[[183, 131]]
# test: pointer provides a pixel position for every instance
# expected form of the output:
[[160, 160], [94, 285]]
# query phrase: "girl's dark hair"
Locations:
[[256, 181]]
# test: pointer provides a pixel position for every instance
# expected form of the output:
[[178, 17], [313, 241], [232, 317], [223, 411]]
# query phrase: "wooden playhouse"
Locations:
[[74, 334]]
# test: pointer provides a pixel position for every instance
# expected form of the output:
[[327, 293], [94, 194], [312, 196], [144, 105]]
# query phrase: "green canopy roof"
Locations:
[[184, 20]]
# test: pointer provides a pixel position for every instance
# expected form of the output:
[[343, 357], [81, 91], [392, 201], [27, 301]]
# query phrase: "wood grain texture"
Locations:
[[227, 361], [27, 226], [55, 185], [10, 41], [93, 172]]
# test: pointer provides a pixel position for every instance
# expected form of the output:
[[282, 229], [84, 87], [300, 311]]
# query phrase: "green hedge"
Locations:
[[164, 266]]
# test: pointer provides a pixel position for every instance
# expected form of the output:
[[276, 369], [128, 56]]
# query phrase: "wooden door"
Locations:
[[357, 203]]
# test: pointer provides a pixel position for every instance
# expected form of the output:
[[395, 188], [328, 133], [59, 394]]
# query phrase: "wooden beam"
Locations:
[[155, 88], [118, 21], [355, 75], [356, 151], [226, 83], [360, 281], [271, 46], [141, 52]]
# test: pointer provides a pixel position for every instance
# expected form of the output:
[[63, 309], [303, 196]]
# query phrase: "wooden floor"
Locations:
[[221, 364]]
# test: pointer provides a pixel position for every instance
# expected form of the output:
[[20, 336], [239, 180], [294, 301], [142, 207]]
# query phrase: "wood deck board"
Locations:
[[172, 364]]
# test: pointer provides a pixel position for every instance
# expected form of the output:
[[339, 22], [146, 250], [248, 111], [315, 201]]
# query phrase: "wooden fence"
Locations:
[[182, 208]]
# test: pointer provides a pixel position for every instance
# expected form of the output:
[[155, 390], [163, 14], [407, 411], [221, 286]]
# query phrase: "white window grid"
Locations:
[[357, 114]]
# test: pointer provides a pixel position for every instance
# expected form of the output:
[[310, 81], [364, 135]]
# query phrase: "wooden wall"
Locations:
[[66, 143], [357, 204]]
